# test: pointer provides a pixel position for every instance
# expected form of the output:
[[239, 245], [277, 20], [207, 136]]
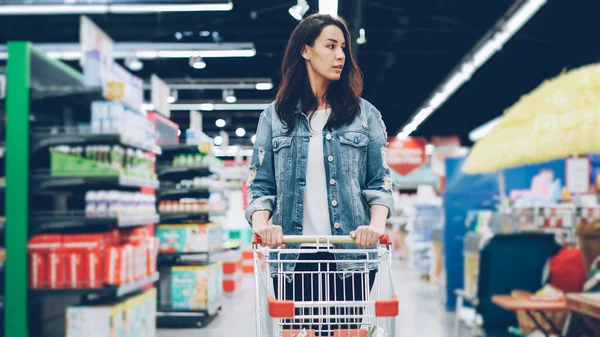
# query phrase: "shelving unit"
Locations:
[[167, 316], [39, 202]]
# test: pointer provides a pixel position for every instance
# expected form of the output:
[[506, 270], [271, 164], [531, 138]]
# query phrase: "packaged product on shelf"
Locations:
[[84, 260], [130, 317], [2, 256], [46, 262], [196, 287], [189, 238], [114, 204]]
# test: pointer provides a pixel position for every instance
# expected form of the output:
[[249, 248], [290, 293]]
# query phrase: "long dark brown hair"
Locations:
[[343, 95]]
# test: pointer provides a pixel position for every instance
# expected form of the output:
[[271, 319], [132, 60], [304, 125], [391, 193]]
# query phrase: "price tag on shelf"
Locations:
[[577, 175]]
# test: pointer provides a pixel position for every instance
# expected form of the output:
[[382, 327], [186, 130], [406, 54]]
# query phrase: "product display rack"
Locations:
[[45, 94], [169, 175]]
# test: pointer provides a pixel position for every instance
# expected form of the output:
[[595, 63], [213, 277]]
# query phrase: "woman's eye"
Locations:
[[330, 46]]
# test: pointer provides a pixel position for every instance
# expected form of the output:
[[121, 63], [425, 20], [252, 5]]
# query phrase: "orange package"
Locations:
[[46, 261], [85, 260]]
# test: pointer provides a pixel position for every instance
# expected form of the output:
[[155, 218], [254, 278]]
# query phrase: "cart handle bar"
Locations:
[[334, 239]]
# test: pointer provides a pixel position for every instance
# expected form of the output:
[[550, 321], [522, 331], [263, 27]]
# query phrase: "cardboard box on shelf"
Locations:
[[130, 317], [84, 260], [189, 238], [46, 261], [197, 287]]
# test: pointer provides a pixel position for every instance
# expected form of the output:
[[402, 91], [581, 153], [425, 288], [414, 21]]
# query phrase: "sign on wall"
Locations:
[[407, 155], [160, 94], [92, 38]]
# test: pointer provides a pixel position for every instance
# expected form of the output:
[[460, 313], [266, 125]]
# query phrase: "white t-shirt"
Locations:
[[316, 208]]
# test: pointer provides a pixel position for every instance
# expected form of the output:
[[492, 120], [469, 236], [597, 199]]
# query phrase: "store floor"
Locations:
[[421, 313]]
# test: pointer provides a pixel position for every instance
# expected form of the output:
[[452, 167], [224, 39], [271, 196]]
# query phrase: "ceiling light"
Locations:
[[220, 123], [328, 7], [481, 131], [148, 50], [220, 106], [178, 35], [205, 107], [172, 97], [134, 64], [179, 132], [362, 38], [481, 53], [229, 96], [197, 62], [297, 11], [40, 9], [240, 132], [253, 139], [264, 86], [204, 33], [218, 140], [429, 149]]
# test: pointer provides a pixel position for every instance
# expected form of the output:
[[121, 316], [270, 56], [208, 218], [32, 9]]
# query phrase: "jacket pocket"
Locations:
[[354, 150], [283, 163]]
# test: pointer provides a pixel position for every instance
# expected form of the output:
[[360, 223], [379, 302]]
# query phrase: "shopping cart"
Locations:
[[316, 299]]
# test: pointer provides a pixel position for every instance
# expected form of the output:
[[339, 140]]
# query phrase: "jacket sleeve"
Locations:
[[378, 179], [262, 189]]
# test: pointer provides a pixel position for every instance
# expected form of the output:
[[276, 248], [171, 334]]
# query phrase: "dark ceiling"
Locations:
[[412, 45]]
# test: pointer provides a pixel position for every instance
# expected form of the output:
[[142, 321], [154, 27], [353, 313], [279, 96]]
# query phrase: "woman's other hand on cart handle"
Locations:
[[270, 236]]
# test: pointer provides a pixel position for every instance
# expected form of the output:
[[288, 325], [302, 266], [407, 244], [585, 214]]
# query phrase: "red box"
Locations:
[[88, 270], [46, 261]]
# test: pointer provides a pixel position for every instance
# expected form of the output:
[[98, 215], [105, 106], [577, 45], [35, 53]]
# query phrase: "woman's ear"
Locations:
[[305, 53]]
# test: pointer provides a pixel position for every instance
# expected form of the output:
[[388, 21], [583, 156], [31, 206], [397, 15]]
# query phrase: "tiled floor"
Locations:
[[421, 311]]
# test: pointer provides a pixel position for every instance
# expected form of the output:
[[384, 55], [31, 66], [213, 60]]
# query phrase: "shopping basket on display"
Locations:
[[316, 299]]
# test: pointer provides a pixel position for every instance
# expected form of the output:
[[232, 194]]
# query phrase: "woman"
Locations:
[[318, 166]]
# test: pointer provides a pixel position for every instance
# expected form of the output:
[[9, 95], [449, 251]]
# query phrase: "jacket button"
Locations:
[[336, 225], [333, 203], [328, 137], [330, 158], [332, 182], [302, 182]]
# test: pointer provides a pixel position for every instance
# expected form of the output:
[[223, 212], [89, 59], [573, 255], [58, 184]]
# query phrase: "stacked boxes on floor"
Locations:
[[232, 271], [91, 260], [132, 317]]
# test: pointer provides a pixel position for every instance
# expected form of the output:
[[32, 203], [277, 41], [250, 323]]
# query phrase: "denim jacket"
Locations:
[[355, 166]]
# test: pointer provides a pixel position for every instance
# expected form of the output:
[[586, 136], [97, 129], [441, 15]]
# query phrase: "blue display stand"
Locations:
[[464, 193]]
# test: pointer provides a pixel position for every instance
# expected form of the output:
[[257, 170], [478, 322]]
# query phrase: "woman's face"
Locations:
[[326, 57]]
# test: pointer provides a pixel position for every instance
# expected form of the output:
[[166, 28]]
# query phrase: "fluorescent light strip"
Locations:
[[135, 8], [218, 106], [72, 51], [484, 129], [471, 63], [116, 8]]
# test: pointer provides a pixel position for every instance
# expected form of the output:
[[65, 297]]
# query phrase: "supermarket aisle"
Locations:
[[421, 314]]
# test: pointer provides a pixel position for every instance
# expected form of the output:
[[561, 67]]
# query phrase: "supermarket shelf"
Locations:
[[185, 172], [183, 218], [79, 222], [117, 291], [41, 141], [178, 193], [46, 182], [181, 148], [176, 318], [170, 259]]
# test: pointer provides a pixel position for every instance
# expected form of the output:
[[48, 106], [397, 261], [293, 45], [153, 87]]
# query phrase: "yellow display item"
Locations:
[[559, 119]]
